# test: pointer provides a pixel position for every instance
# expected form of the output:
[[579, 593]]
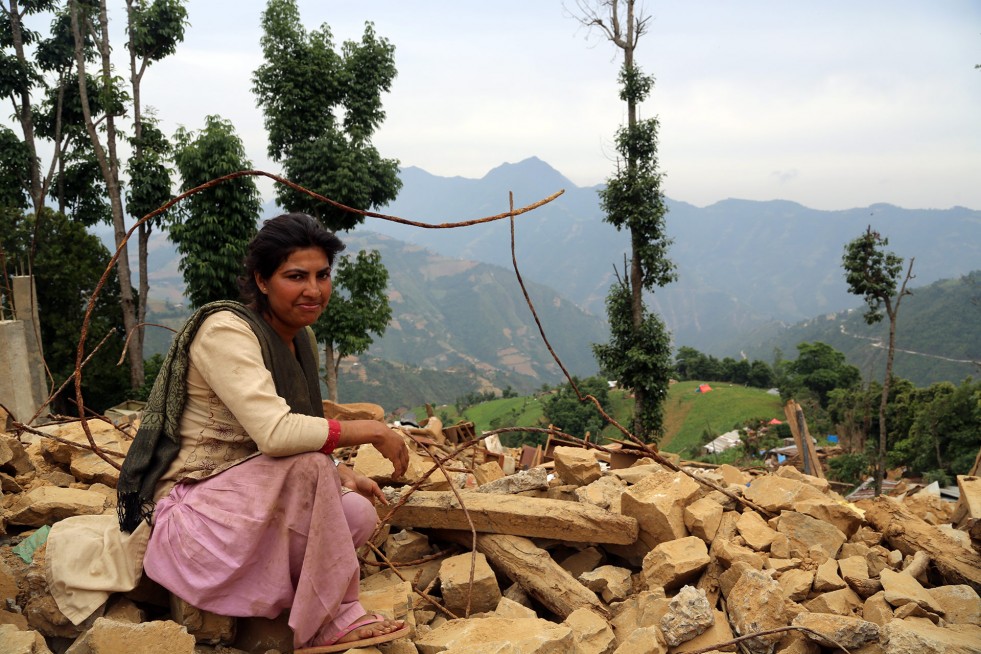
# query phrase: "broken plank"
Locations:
[[534, 570], [532, 517], [909, 533]]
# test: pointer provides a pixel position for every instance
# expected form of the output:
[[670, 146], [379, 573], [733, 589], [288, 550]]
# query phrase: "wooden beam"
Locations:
[[515, 515], [909, 533], [534, 570]]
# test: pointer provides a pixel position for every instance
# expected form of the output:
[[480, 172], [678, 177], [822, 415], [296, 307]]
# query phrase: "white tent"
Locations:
[[724, 442]]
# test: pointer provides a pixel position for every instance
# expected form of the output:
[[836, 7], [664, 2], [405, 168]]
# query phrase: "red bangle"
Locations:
[[333, 436]]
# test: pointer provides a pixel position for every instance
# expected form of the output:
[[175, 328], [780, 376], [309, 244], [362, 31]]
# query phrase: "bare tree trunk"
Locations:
[[109, 164], [24, 113], [145, 229], [893, 312]]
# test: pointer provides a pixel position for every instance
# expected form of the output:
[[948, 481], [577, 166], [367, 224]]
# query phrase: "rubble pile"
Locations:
[[573, 556]]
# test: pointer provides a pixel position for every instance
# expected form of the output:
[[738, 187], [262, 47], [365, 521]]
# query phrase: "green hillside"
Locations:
[[688, 415], [938, 335]]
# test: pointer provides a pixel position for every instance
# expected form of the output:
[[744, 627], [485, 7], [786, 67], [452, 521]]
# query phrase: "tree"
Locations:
[[321, 109], [641, 357], [358, 307], [874, 273], [819, 368], [94, 19], [564, 410], [63, 292], [212, 228], [633, 200], [155, 28]]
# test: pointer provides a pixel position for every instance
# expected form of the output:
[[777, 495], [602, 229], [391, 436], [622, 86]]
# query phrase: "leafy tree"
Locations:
[[760, 375], [944, 431], [212, 228], [564, 409], [640, 357], [819, 369], [321, 109], [155, 28], [63, 292], [358, 308], [874, 273], [633, 200]]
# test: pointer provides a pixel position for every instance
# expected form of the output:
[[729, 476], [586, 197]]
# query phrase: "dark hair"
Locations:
[[278, 238]]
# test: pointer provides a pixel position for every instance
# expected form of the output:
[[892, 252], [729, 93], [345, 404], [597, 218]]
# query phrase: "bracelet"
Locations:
[[333, 436]]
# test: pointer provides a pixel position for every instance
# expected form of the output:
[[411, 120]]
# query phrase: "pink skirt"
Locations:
[[264, 536]]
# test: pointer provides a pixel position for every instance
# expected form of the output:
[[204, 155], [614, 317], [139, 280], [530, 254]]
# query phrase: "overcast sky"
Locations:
[[831, 103]]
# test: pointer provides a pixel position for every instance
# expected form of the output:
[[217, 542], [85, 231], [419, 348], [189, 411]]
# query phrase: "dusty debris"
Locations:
[[575, 555]]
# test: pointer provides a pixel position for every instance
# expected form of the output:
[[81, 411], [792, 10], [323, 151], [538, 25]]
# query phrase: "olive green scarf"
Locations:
[[157, 441]]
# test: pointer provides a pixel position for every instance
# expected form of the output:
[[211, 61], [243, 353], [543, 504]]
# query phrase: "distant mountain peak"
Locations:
[[533, 168]]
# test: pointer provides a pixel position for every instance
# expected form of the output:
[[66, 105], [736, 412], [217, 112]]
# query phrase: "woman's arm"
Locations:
[[389, 443]]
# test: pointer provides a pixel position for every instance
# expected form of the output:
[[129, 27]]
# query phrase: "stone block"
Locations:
[[838, 602], [206, 627], [826, 578], [46, 505], [645, 640], [605, 493], [591, 632], [719, 632], [490, 634], [675, 563], [406, 546], [16, 641], [960, 603], [454, 579], [901, 588], [702, 518], [689, 615], [582, 561], [805, 533], [613, 584], [837, 630], [576, 465], [657, 503], [755, 604], [796, 584], [110, 637], [776, 494], [876, 609], [923, 637], [755, 531]]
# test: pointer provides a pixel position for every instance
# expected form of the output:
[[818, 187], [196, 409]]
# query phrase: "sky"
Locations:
[[833, 104]]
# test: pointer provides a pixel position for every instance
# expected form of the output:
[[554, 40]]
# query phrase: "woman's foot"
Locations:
[[372, 629], [369, 629]]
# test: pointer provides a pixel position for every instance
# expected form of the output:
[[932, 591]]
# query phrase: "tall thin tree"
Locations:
[[874, 273], [633, 200], [321, 109]]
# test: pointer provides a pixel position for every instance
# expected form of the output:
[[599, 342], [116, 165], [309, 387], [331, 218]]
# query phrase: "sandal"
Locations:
[[334, 646]]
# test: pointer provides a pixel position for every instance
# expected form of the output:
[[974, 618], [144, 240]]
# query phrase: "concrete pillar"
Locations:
[[25, 309], [15, 394]]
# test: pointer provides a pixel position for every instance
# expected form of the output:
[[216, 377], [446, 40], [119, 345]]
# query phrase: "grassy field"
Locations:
[[687, 414]]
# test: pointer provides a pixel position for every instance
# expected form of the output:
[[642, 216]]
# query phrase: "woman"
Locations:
[[249, 512]]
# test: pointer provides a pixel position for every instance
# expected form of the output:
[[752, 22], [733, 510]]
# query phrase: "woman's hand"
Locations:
[[389, 443], [391, 446], [360, 484]]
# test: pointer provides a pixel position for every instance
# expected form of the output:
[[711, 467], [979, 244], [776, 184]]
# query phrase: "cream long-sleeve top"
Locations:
[[232, 413]]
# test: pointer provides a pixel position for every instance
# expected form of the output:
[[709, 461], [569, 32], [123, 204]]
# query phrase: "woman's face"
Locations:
[[297, 291]]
